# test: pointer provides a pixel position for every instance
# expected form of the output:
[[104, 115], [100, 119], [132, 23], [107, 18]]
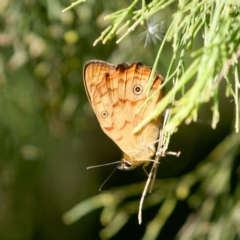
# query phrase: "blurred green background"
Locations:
[[48, 132]]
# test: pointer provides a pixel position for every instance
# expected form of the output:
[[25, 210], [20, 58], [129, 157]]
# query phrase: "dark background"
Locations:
[[48, 132]]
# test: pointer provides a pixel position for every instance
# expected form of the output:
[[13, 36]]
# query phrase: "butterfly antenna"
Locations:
[[102, 165], [108, 178]]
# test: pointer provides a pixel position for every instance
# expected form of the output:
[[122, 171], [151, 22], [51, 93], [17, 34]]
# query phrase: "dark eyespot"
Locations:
[[127, 164], [137, 89], [104, 114]]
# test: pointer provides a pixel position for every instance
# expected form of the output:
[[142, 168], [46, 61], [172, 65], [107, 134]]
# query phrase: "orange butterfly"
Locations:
[[116, 93]]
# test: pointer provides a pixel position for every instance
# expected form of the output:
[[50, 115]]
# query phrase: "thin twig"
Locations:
[[225, 69], [152, 175], [73, 5]]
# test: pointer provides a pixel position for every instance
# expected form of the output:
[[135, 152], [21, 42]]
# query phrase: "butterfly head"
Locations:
[[126, 165], [129, 163]]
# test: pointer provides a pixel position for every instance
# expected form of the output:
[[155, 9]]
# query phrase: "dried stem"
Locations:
[[152, 175]]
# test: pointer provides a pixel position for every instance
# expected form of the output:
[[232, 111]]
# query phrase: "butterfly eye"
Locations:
[[104, 114], [127, 164], [137, 89]]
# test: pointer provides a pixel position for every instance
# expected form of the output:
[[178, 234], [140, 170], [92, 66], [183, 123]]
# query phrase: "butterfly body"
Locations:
[[117, 94]]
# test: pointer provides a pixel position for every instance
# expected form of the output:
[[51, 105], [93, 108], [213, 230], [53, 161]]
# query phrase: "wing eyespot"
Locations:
[[137, 89], [104, 114]]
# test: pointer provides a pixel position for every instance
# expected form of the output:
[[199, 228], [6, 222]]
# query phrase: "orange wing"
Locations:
[[116, 93]]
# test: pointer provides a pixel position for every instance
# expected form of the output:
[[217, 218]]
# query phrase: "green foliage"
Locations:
[[208, 190], [42, 114], [49, 135], [215, 60], [219, 24]]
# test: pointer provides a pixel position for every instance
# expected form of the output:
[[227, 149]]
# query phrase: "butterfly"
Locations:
[[118, 94]]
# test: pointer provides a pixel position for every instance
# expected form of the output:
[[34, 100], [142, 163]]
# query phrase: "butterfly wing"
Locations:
[[135, 86], [116, 93], [130, 98], [102, 86]]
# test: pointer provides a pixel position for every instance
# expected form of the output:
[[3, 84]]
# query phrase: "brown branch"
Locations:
[[225, 69]]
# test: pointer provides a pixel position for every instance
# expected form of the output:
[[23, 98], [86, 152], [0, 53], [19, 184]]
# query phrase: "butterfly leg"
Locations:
[[144, 169], [177, 154]]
